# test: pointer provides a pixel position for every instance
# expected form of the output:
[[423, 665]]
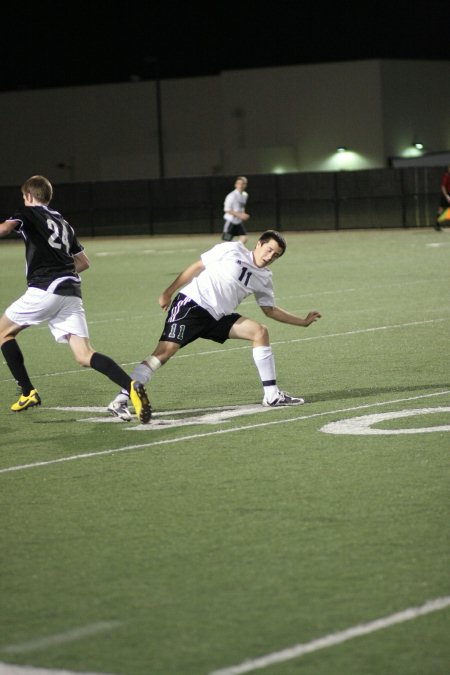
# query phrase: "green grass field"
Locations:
[[224, 533]]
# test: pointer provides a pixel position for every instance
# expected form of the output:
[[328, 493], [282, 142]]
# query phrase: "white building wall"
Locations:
[[416, 101], [251, 121]]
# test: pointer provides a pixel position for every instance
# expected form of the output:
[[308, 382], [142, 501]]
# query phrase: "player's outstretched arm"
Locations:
[[182, 279], [7, 227], [283, 316]]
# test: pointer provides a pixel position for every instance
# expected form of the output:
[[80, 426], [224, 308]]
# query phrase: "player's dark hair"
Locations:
[[273, 234], [39, 187]]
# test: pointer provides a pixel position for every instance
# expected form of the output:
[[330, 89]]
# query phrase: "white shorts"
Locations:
[[64, 313]]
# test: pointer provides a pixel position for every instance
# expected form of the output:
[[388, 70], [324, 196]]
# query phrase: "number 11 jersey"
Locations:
[[230, 275]]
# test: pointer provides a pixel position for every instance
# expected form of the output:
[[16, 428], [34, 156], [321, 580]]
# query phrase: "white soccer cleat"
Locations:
[[282, 399], [120, 409]]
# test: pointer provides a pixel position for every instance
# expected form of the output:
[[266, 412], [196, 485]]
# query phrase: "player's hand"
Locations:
[[164, 300], [312, 316]]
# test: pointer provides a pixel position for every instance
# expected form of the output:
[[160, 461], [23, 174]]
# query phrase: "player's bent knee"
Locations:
[[262, 333]]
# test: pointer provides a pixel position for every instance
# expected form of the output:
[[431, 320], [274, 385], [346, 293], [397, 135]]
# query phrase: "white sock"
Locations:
[[265, 363], [145, 370], [143, 373]]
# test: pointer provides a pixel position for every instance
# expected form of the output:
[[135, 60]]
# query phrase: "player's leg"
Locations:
[[86, 356], [239, 230], [184, 324], [227, 234], [146, 369], [247, 329], [443, 206], [33, 308], [16, 364], [68, 324], [143, 372]]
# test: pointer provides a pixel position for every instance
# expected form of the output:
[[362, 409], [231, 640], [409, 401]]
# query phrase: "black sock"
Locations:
[[14, 359], [106, 366]]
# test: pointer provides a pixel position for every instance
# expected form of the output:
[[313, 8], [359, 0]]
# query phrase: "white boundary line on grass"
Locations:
[[362, 426], [335, 638], [285, 654], [9, 669], [277, 342], [183, 439], [60, 638]]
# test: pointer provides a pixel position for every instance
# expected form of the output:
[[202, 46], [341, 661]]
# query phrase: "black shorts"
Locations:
[[230, 230], [186, 321]]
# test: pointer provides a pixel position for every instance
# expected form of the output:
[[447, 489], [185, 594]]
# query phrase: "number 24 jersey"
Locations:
[[50, 244]]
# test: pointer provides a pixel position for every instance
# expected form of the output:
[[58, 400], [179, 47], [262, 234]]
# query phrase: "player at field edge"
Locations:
[[211, 289], [54, 260], [234, 213], [444, 202]]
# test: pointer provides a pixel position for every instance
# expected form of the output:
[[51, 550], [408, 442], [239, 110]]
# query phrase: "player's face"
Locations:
[[240, 185], [265, 253]]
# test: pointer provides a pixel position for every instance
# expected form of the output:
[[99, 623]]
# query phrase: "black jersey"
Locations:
[[50, 244]]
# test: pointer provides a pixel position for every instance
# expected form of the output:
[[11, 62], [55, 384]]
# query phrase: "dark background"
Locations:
[[64, 44]]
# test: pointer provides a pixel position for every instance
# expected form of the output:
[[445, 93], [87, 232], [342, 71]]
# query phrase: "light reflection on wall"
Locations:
[[414, 150], [345, 160]]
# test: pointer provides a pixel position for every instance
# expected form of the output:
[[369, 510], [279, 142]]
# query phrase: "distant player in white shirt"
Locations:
[[211, 289], [234, 212]]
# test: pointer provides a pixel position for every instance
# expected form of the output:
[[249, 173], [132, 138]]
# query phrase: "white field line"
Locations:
[[335, 638], [143, 251], [9, 669], [61, 638], [183, 439], [269, 659], [324, 337], [279, 342]]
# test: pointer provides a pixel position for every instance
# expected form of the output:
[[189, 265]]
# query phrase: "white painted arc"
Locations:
[[363, 425]]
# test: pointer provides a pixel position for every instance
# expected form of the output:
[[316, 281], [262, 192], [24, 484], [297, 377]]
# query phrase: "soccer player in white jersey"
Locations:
[[234, 212], [211, 289], [54, 259]]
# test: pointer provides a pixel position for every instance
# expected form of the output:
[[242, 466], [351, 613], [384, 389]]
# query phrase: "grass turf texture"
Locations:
[[203, 549]]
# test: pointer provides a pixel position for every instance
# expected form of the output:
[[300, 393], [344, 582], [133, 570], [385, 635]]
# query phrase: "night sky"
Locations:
[[64, 44]]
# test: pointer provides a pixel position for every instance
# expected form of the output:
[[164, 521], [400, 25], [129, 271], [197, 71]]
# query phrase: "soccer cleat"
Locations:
[[282, 399], [140, 401], [26, 402], [120, 409]]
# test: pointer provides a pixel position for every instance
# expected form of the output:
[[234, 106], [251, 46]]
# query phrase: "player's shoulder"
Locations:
[[236, 248], [32, 216], [225, 249]]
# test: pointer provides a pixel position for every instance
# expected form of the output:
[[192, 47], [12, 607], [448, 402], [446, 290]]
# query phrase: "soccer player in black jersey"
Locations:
[[54, 259]]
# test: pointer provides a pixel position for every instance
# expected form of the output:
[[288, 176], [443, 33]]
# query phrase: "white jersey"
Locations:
[[235, 201], [230, 276]]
